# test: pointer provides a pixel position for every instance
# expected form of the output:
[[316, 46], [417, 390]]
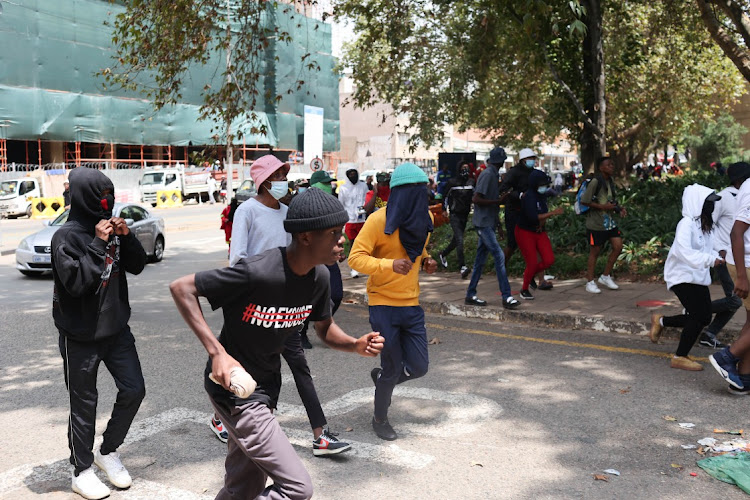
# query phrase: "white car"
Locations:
[[33, 255]]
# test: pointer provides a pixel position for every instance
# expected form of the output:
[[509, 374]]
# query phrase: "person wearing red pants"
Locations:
[[530, 235]]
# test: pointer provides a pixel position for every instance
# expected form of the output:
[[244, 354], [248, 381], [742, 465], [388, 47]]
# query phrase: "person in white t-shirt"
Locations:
[[352, 195], [725, 307], [733, 362]]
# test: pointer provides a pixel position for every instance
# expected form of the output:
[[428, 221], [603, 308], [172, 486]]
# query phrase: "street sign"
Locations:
[[316, 164]]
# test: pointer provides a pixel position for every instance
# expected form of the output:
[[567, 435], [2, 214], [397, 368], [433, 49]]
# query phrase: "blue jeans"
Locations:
[[488, 244], [404, 356]]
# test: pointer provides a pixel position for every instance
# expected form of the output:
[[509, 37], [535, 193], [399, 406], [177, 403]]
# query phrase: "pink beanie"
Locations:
[[264, 166]]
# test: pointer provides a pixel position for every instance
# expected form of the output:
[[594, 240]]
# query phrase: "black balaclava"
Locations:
[[87, 204], [464, 173], [707, 221], [353, 175], [408, 210]]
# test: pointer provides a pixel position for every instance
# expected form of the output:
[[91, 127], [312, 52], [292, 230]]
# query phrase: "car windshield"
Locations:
[[153, 178], [246, 186], [61, 219], [8, 187]]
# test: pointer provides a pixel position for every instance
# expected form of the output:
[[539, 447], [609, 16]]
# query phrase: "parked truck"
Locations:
[[16, 196], [191, 183]]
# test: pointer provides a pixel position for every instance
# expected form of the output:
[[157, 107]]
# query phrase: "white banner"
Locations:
[[313, 133]]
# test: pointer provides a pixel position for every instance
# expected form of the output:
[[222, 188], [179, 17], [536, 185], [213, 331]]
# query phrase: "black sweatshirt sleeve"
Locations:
[[132, 255], [80, 273]]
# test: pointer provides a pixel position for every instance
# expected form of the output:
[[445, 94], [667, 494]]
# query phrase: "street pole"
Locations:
[[230, 153]]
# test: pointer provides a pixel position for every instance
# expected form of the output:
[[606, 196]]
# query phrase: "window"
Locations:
[[170, 179], [26, 186], [137, 213], [403, 139], [127, 213]]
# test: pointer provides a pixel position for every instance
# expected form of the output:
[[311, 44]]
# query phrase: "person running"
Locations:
[[265, 299], [352, 195], [211, 189], [459, 191], [91, 253], [725, 307], [227, 220], [530, 234], [733, 362], [486, 219], [262, 227], [601, 226], [391, 249], [516, 183], [687, 274]]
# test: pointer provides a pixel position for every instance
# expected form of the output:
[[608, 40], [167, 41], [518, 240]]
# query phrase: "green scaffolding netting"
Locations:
[[52, 50]]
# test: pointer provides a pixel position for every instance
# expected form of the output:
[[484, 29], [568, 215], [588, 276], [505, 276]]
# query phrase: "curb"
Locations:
[[542, 319]]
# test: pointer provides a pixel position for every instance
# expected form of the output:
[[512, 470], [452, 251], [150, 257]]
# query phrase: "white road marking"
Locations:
[[464, 414], [387, 454]]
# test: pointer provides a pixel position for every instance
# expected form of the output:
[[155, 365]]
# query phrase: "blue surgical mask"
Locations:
[[301, 189], [530, 163], [279, 189], [542, 189]]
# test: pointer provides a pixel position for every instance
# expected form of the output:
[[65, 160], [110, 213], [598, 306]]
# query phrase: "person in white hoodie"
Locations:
[[352, 195], [687, 273]]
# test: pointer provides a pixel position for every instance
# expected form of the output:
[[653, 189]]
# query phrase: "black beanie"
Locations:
[[313, 210]]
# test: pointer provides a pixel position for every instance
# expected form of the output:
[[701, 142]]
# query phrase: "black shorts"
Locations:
[[599, 238]]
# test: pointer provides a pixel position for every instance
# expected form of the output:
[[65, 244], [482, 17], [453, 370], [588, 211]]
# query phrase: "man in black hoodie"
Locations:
[[90, 255]]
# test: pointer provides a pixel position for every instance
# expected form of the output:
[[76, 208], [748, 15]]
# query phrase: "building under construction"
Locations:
[[54, 110]]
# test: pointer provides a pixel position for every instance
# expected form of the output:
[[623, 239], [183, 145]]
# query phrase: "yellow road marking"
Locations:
[[626, 350], [510, 336]]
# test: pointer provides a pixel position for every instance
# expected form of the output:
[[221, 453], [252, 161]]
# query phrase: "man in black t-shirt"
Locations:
[[264, 299], [459, 193]]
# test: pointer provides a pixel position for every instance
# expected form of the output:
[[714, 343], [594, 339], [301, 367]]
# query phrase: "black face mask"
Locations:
[[353, 177], [464, 174]]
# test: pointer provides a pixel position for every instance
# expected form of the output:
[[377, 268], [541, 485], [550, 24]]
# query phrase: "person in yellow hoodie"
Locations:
[[391, 249]]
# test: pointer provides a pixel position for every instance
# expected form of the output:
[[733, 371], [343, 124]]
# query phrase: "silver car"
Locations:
[[33, 255]]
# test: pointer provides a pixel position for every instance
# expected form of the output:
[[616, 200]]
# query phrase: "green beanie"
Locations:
[[408, 173]]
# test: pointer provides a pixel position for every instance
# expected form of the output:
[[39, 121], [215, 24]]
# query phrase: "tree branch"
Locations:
[[737, 54]]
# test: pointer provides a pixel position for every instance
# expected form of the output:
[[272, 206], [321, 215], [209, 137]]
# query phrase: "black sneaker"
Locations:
[[328, 444], [511, 303], [306, 342], [526, 295], [545, 285], [219, 430], [443, 260], [738, 392], [709, 340], [465, 272], [384, 430], [374, 374], [475, 301], [533, 285]]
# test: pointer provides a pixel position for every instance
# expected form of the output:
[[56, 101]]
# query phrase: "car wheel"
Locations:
[[158, 249], [28, 211], [32, 273]]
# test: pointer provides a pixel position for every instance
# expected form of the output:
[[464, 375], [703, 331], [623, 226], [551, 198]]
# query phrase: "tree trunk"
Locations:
[[595, 144], [738, 54]]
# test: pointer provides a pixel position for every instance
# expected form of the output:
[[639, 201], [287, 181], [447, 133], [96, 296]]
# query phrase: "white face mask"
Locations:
[[542, 189], [279, 189]]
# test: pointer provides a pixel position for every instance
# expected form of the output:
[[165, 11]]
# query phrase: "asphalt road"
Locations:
[[505, 411]]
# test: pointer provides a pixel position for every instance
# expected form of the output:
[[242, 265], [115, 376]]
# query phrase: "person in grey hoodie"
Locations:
[[687, 274], [90, 254]]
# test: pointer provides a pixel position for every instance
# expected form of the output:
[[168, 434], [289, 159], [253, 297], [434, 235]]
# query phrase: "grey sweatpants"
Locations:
[[258, 449]]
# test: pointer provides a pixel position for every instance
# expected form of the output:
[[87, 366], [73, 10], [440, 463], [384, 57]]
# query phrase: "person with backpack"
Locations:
[[530, 234], [687, 274], [598, 202]]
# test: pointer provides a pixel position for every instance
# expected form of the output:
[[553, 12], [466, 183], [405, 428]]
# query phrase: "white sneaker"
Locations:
[[608, 282], [113, 468], [354, 274], [89, 486], [592, 288]]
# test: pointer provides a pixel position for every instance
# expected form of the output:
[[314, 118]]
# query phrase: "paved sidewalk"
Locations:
[[568, 305]]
